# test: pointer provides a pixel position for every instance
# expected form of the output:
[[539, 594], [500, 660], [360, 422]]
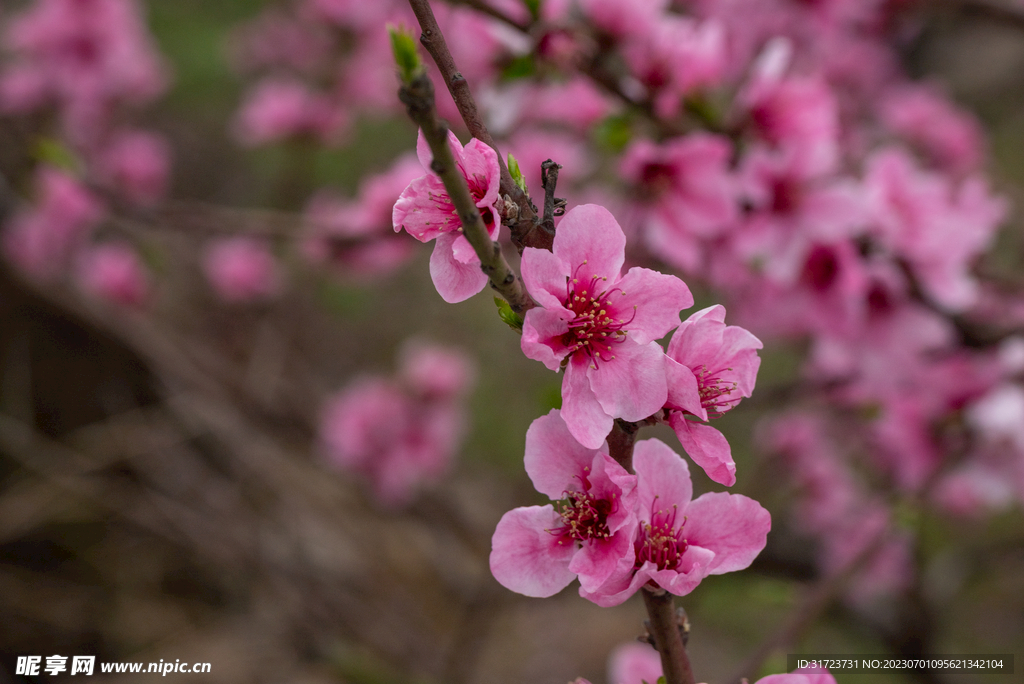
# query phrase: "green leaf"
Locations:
[[516, 173], [407, 57], [523, 66], [534, 7], [511, 318], [614, 132], [54, 152]]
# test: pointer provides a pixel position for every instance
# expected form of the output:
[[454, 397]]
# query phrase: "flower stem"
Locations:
[[668, 639]]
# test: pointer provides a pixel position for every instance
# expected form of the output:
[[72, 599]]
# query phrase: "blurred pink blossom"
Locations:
[[114, 272], [400, 434], [241, 269]]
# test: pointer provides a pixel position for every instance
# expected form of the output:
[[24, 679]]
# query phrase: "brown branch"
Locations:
[[668, 638], [483, 8], [621, 441], [526, 231], [418, 97], [990, 9]]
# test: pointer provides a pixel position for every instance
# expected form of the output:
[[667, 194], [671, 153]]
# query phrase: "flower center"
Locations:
[[593, 329], [661, 541], [712, 389], [584, 516]]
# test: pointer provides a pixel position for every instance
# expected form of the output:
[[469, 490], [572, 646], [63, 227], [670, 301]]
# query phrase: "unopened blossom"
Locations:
[[241, 269], [427, 213], [400, 434], [114, 272], [679, 542], [599, 325], [710, 367], [588, 533]]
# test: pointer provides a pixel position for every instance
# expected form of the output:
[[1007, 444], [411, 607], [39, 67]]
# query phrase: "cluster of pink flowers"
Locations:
[[85, 64], [617, 531], [399, 434]]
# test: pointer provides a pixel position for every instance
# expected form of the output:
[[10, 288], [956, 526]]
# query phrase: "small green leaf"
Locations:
[[407, 57], [516, 173], [614, 132], [54, 152], [661, 680], [534, 7], [511, 318], [523, 66]]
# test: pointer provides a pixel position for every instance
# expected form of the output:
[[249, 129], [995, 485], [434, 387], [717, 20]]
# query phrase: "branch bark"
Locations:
[[668, 638]]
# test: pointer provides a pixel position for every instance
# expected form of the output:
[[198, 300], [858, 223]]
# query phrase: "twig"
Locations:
[[548, 180], [418, 97], [526, 231], [668, 637]]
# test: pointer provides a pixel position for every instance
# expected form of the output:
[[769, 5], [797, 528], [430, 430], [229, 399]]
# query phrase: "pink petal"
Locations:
[[528, 559], [589, 233], [631, 385], [425, 210], [733, 526], [426, 157], [583, 414], [479, 164], [653, 300], [707, 447], [683, 393], [542, 337], [598, 559], [554, 459], [663, 478], [544, 275], [693, 567], [455, 281]]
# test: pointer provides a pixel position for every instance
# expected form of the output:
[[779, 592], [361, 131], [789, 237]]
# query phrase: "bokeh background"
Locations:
[[163, 495]]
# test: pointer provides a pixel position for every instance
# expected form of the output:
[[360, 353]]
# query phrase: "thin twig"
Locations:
[[526, 230], [548, 181], [418, 96]]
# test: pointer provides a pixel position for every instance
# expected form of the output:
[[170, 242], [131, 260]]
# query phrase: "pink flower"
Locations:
[[599, 325], [680, 542], [114, 272], [400, 434], [949, 136], [279, 109], [539, 550], [426, 212], [42, 239], [136, 165], [710, 367], [689, 193], [241, 269]]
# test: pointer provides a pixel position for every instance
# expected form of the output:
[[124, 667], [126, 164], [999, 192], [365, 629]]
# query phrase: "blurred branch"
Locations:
[[805, 614], [990, 9], [668, 637]]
